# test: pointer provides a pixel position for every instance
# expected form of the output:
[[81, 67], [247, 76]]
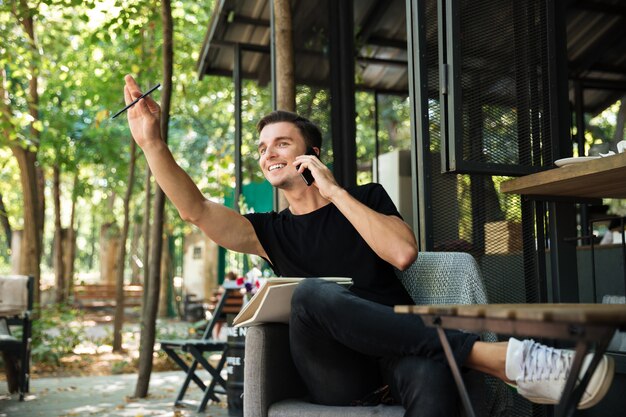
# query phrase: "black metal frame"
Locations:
[[197, 348], [342, 87], [561, 215], [585, 335], [452, 159], [593, 261], [238, 133], [420, 133], [23, 347]]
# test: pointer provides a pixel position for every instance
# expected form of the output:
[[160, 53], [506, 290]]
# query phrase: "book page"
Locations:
[[272, 302], [274, 306]]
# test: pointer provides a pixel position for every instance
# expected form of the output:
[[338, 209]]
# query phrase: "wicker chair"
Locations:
[[272, 386]]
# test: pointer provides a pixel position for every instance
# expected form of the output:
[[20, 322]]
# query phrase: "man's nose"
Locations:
[[270, 152]]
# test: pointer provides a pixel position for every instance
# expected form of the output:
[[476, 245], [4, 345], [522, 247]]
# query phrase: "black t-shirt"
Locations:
[[324, 243]]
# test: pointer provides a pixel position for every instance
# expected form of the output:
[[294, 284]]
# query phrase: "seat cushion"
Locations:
[[302, 408]]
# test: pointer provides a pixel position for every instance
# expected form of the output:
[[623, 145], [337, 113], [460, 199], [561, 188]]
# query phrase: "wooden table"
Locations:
[[598, 178], [581, 182], [585, 324]]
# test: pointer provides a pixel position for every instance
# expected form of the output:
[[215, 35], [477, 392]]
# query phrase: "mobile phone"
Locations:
[[306, 174]]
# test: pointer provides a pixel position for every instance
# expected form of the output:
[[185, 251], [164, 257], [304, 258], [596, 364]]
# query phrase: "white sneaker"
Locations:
[[540, 373]]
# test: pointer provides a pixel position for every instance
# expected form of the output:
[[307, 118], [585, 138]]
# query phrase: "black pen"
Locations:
[[135, 101]]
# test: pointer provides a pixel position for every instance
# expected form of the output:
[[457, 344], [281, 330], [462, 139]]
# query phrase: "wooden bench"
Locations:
[[233, 303], [103, 295]]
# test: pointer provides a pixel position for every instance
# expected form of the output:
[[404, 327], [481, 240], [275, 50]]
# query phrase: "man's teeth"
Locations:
[[277, 166]]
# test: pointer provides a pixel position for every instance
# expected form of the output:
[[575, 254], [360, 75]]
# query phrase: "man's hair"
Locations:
[[309, 131]]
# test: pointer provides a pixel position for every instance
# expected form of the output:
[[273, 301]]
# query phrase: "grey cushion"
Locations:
[[302, 408], [272, 386]]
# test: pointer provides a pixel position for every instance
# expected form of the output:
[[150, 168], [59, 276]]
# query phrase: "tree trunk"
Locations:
[[28, 23], [109, 250], [41, 212], [71, 240], [146, 232], [4, 220], [148, 330], [285, 80], [619, 123], [134, 253], [166, 278], [92, 241], [26, 156], [118, 322], [58, 236], [30, 251]]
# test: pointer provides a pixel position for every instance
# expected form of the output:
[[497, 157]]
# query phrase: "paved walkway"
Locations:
[[104, 396]]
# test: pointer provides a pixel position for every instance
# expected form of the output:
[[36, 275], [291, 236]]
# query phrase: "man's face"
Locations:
[[279, 144]]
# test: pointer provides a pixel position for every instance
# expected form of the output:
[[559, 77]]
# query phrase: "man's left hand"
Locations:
[[324, 179]]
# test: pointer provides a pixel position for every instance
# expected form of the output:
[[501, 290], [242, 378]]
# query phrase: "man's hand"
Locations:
[[144, 117], [390, 237], [324, 179]]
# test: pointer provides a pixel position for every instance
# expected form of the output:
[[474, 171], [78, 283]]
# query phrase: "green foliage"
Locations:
[[56, 333], [165, 332], [119, 367]]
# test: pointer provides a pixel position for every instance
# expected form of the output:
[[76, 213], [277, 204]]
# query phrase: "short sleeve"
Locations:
[[375, 197], [262, 224]]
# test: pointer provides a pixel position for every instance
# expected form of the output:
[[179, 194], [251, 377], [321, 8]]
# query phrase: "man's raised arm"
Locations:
[[224, 226]]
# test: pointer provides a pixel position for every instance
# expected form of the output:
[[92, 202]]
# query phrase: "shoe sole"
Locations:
[[594, 397], [597, 396]]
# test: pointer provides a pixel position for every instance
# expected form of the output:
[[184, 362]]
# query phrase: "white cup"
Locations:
[[621, 146]]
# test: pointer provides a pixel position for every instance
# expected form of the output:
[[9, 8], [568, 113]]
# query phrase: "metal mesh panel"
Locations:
[[469, 214], [503, 60]]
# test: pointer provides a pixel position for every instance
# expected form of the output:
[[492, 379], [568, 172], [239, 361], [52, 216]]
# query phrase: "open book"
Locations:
[[272, 302]]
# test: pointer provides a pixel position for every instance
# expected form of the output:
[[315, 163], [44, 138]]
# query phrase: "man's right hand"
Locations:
[[144, 117]]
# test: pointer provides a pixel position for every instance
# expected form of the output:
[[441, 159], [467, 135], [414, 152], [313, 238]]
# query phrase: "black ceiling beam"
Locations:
[[358, 87], [610, 68], [229, 73], [370, 40], [592, 6], [382, 62], [253, 47], [594, 54], [370, 20], [245, 20], [386, 43], [602, 84]]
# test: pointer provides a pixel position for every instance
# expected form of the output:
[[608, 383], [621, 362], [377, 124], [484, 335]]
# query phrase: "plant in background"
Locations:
[[251, 282], [56, 333], [121, 367]]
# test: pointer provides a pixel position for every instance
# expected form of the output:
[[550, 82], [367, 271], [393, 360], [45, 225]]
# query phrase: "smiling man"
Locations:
[[348, 344]]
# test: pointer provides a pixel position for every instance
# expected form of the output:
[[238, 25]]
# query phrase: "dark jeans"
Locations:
[[346, 347]]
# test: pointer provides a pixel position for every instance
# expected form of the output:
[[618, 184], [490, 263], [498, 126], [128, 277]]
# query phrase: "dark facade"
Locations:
[[495, 87]]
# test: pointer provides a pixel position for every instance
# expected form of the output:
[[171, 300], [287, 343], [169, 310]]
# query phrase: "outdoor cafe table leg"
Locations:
[[191, 374], [197, 354], [572, 393], [189, 371], [209, 391], [467, 404]]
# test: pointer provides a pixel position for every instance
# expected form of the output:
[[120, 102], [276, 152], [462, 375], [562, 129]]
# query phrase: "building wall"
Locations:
[[199, 265]]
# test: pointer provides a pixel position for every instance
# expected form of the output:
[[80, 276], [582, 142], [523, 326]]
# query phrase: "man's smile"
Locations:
[[276, 166]]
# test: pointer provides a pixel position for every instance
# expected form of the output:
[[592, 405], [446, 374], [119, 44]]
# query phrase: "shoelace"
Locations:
[[541, 362]]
